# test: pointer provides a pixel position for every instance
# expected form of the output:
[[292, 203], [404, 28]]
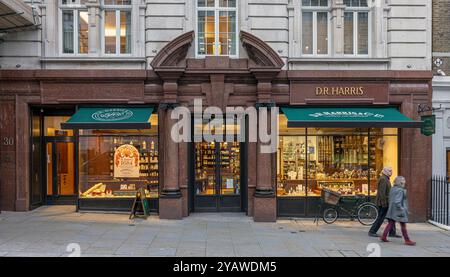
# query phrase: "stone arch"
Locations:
[[175, 52], [259, 52]]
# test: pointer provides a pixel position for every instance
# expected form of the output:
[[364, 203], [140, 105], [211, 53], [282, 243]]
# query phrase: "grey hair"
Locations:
[[399, 181]]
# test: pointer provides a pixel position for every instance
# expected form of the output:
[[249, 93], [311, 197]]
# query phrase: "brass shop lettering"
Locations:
[[340, 91]]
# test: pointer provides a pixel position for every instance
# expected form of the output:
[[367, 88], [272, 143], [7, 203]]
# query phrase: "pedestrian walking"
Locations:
[[382, 201], [398, 210]]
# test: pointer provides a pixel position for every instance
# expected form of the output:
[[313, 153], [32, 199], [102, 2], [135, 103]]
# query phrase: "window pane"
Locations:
[[117, 2], [315, 3], [322, 33], [83, 32], [339, 163], [363, 33], [227, 33], [125, 32], [206, 3], [206, 33], [227, 3], [307, 32], [52, 126], [383, 153], [68, 31], [117, 166], [291, 169], [110, 32], [348, 33]]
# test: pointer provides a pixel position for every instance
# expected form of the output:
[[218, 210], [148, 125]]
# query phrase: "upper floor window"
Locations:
[[315, 27], [117, 26], [75, 25], [356, 27], [217, 27]]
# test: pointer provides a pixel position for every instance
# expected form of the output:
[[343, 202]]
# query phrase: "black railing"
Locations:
[[440, 198]]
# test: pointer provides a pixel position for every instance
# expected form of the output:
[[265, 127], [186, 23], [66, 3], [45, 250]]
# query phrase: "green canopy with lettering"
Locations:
[[101, 118], [372, 117]]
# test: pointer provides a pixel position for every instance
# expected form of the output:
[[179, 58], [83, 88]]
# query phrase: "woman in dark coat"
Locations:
[[398, 210]]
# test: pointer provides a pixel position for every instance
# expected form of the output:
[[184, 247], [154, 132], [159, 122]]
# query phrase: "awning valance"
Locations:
[[102, 118], [360, 117]]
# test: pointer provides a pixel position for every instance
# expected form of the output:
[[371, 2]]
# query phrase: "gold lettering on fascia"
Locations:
[[340, 91]]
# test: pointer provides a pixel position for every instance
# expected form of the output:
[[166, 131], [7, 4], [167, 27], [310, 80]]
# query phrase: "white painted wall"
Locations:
[[401, 35], [441, 140]]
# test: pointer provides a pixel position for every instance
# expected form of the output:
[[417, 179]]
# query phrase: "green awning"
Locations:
[[348, 117], [101, 118]]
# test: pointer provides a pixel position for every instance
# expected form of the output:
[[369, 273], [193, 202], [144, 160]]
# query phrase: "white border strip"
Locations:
[[442, 226]]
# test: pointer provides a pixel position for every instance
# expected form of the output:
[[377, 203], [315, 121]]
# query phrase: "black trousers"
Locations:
[[382, 211]]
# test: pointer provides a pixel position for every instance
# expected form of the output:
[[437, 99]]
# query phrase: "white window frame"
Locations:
[[117, 9], [356, 11], [216, 9], [75, 8], [315, 10]]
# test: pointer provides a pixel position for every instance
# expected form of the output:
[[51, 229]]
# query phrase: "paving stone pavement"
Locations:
[[53, 231]]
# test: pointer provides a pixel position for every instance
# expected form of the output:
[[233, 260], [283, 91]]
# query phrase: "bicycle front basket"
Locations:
[[331, 197]]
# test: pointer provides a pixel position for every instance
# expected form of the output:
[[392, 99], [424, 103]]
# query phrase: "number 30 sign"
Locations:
[[8, 141]]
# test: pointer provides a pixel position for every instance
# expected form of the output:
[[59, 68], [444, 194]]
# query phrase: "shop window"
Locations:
[[315, 27], [345, 160], [117, 27], [356, 27], [75, 27], [52, 126], [116, 163], [217, 27]]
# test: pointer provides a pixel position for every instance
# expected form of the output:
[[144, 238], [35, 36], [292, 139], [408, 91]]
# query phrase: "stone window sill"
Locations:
[[93, 59], [339, 60]]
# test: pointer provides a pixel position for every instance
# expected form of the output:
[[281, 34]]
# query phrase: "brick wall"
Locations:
[[441, 33]]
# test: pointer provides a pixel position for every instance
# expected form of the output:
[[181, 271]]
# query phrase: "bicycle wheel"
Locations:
[[367, 214], [330, 215]]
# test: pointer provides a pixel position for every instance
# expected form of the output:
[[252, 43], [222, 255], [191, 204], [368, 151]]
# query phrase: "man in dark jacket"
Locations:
[[382, 201]]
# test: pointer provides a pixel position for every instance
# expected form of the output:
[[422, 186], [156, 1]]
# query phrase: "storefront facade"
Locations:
[[50, 162]]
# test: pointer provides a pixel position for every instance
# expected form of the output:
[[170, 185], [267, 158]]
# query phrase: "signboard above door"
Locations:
[[375, 93]]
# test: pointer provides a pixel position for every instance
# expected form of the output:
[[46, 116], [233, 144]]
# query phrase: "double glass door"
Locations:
[[218, 178], [60, 170]]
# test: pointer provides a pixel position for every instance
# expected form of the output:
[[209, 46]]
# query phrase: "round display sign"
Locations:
[[109, 115]]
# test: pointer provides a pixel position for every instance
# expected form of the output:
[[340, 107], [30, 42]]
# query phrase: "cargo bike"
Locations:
[[332, 206]]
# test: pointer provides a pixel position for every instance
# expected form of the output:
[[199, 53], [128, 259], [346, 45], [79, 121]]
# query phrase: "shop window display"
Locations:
[[346, 160], [117, 163]]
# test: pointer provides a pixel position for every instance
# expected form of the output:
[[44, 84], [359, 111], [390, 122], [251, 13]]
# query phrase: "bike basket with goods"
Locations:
[[331, 197]]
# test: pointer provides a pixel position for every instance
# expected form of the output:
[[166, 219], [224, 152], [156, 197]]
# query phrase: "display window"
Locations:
[[346, 160], [117, 163]]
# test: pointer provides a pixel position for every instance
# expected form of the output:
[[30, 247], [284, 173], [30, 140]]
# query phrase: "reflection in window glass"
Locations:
[[110, 32], [83, 32], [206, 32], [217, 27], [322, 33], [291, 169], [307, 32], [363, 33], [52, 126], [125, 32], [348, 33], [117, 166], [345, 160], [68, 32]]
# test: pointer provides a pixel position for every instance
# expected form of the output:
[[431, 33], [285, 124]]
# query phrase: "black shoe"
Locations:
[[395, 236], [373, 235]]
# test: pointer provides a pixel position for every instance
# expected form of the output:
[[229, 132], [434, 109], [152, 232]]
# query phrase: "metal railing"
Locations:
[[440, 200]]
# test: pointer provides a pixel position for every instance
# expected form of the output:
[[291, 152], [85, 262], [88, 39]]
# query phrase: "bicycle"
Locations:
[[365, 212]]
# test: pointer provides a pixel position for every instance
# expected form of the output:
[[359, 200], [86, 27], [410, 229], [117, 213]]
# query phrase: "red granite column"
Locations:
[[265, 205], [170, 202]]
